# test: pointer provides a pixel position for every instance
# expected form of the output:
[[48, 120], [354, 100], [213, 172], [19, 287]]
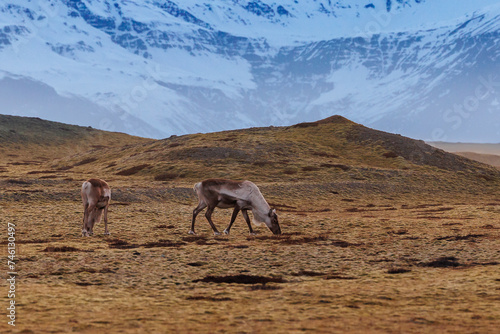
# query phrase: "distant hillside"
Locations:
[[333, 150], [490, 159], [468, 147], [485, 153], [21, 136]]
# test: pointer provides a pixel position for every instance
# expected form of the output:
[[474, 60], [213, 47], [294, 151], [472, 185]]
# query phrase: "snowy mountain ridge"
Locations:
[[156, 68]]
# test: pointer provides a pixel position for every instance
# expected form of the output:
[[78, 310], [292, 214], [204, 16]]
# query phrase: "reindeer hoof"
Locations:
[[191, 232], [226, 231], [253, 233], [217, 233], [107, 233]]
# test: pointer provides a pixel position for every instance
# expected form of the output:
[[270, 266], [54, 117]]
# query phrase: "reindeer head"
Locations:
[[272, 222]]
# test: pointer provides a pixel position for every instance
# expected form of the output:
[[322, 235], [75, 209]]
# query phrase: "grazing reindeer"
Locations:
[[96, 195], [240, 195]]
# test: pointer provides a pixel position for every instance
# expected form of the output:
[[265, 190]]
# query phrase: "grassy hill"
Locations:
[[27, 142], [55, 139], [332, 155], [322, 159], [335, 152]]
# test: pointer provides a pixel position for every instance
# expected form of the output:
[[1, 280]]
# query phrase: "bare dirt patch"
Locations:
[[241, 279], [62, 249]]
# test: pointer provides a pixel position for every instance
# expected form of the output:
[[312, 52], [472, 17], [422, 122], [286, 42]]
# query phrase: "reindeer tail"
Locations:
[[196, 187]]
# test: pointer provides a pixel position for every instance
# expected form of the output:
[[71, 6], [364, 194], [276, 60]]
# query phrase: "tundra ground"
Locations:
[[357, 264]]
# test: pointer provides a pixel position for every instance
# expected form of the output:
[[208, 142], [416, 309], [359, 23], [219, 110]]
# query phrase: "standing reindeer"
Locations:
[[96, 195], [240, 195]]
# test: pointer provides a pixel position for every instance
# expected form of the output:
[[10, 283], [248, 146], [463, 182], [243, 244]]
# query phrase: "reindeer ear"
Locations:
[[270, 213], [274, 211]]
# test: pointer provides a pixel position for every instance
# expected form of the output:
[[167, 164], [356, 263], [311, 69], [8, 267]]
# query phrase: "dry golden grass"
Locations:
[[371, 244]]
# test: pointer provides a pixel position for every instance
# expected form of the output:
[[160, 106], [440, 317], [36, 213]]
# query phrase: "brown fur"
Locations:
[[98, 183], [230, 184], [96, 195]]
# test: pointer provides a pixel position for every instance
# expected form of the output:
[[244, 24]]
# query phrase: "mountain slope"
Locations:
[[141, 67], [335, 152], [27, 142]]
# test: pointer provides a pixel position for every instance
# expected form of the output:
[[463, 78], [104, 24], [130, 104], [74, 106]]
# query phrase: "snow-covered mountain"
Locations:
[[426, 69]]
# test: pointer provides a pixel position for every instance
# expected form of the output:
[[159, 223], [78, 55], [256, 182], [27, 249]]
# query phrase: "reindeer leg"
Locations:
[[247, 219], [92, 221], [91, 215], [90, 227], [85, 219], [233, 218], [98, 211], [106, 232], [208, 215], [196, 211]]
